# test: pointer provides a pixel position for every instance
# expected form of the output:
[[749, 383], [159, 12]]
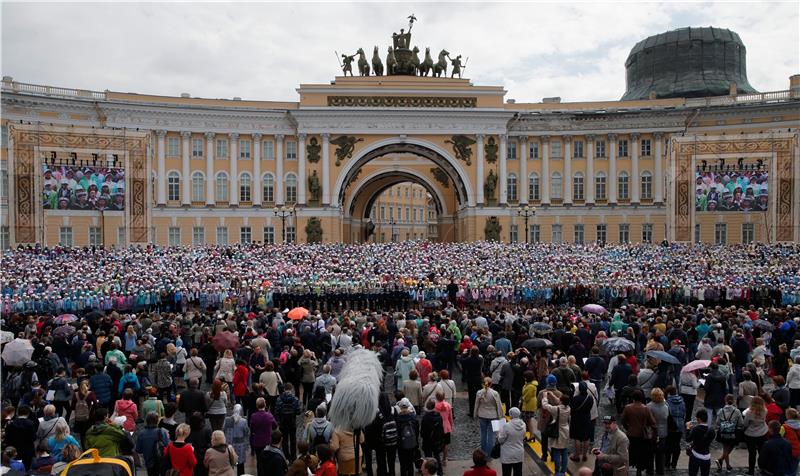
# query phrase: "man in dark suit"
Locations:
[[192, 400]]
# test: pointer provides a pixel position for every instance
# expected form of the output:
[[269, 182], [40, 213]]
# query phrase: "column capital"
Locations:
[[161, 133], [634, 136], [233, 135], [210, 135], [612, 137], [480, 136], [325, 135], [186, 134], [522, 138], [589, 138], [302, 136], [545, 138], [279, 137], [257, 136], [567, 139], [658, 135], [504, 137]]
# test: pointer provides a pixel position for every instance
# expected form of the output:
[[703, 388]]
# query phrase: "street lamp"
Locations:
[[391, 224], [526, 212], [283, 212]]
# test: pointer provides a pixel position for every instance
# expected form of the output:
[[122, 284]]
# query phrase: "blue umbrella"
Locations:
[[664, 356]]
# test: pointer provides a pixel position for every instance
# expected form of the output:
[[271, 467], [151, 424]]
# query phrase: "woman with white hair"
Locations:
[[221, 458], [237, 432], [57, 442]]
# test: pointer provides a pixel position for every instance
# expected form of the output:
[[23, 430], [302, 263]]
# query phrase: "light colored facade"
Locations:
[[211, 170], [404, 212]]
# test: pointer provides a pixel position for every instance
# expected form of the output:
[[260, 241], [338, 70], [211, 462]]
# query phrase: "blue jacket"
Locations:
[[130, 380], [101, 384]]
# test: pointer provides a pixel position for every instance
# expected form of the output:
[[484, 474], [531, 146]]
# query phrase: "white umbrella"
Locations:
[[17, 352], [6, 337]]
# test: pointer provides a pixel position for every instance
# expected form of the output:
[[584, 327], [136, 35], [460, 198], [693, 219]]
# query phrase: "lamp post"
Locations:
[[526, 212], [283, 213], [391, 224]]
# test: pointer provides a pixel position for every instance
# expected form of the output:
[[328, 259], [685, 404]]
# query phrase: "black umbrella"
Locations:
[[536, 344], [541, 328], [763, 325], [619, 344]]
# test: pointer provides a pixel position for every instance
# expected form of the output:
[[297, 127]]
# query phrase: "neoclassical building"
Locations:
[[88, 167]]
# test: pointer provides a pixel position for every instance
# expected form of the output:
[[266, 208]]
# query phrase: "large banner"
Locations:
[[730, 191], [83, 188]]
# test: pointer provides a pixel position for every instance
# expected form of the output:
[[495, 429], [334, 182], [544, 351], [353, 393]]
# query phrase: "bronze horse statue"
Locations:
[[377, 66], [427, 65], [415, 59], [391, 62], [363, 65], [439, 68]]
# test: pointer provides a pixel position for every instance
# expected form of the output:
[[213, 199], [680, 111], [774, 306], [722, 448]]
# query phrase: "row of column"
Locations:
[[256, 185], [567, 180]]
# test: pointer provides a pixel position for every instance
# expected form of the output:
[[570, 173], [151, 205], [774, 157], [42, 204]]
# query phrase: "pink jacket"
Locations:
[[127, 409], [446, 411]]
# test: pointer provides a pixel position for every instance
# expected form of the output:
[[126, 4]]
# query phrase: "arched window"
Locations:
[[173, 186], [222, 187], [268, 182], [244, 187], [623, 187], [555, 185], [533, 187], [511, 187], [198, 186], [577, 186], [647, 185], [291, 188], [600, 186]]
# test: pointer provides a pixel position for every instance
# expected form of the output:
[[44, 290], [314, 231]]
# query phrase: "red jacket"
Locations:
[[774, 412], [327, 468], [240, 376], [182, 457], [478, 471]]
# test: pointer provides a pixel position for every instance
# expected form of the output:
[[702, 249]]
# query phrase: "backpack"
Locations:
[[81, 410], [727, 429], [389, 432], [287, 411], [318, 438], [408, 437]]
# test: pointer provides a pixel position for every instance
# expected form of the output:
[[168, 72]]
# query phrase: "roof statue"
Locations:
[[402, 59]]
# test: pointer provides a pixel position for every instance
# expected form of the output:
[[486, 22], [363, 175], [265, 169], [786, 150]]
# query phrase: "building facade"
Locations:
[[403, 212], [187, 170]]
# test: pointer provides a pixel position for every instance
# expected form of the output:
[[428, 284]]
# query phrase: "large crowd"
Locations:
[[209, 374]]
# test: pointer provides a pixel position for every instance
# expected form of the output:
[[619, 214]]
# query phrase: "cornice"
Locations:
[[384, 121]]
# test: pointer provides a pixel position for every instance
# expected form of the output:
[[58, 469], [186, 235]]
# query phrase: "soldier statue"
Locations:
[[490, 186], [347, 67], [456, 63], [314, 187]]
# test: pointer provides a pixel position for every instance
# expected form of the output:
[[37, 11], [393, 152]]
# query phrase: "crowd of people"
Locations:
[[393, 275], [194, 389]]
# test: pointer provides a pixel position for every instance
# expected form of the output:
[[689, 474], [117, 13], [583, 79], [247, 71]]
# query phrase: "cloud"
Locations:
[[264, 51]]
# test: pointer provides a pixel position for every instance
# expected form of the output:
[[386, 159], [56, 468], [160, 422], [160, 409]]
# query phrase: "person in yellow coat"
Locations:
[[529, 403], [342, 444]]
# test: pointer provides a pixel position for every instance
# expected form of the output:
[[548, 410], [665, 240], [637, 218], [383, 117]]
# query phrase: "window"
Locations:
[[198, 235], [415, 215], [173, 147], [198, 187], [536, 233], [3, 181], [622, 148], [3, 136], [121, 237], [197, 148], [173, 186], [5, 236], [577, 149], [513, 234], [555, 149], [268, 185], [600, 186], [291, 188], [697, 233], [555, 185], [645, 147], [174, 236], [601, 233], [245, 234], [383, 212], [579, 234], [748, 233], [720, 233], [511, 187], [557, 234], [222, 148], [269, 150], [408, 214], [533, 150], [647, 185], [290, 234], [511, 150], [95, 236], [599, 148], [647, 233], [291, 150], [624, 233], [269, 235], [244, 187], [222, 235], [244, 149], [622, 186], [577, 186], [222, 187], [533, 186]]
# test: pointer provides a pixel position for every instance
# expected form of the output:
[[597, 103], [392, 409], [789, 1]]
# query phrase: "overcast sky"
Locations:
[[264, 51]]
